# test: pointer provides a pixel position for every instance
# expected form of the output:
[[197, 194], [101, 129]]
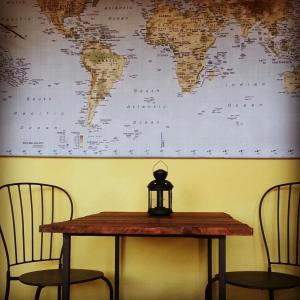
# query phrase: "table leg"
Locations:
[[222, 268], [66, 266], [209, 268], [117, 266]]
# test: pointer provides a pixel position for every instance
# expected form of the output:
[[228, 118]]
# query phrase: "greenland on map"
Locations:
[[154, 78]]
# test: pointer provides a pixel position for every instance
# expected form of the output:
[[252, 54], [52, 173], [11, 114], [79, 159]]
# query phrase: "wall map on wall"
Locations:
[[154, 78]]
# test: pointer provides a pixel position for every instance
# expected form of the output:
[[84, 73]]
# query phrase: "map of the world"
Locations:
[[154, 78]]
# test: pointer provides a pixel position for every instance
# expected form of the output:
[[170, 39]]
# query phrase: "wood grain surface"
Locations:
[[141, 224]]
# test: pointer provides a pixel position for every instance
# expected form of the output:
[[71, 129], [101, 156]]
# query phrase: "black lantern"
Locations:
[[160, 194]]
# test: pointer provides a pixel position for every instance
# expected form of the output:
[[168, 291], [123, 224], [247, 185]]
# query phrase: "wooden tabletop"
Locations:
[[141, 224]]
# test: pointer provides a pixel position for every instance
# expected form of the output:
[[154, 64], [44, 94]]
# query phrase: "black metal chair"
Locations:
[[25, 206], [279, 218]]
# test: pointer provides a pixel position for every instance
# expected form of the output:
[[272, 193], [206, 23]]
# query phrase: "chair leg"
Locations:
[[111, 293], [271, 295], [208, 295], [7, 289], [38, 293], [59, 292]]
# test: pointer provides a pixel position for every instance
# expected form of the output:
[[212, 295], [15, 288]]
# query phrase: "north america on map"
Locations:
[[154, 78]]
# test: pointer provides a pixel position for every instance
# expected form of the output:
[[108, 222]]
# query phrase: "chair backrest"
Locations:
[[25, 206], [279, 216]]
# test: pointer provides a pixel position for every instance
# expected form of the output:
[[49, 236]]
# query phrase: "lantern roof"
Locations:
[[160, 182]]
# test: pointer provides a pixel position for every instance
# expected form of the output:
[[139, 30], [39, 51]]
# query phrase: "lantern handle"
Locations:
[[160, 161]]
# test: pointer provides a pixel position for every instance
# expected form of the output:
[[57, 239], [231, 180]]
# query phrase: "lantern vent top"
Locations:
[[160, 174]]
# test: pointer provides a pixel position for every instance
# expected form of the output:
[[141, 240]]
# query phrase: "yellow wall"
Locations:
[[152, 268]]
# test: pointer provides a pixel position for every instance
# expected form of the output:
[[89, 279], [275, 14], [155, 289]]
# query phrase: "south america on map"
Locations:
[[153, 78]]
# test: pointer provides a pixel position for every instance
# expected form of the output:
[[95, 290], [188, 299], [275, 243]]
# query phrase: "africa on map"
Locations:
[[153, 78]]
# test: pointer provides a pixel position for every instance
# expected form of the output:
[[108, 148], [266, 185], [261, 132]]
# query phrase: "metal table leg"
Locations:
[[209, 267], [117, 266], [66, 266], [222, 268]]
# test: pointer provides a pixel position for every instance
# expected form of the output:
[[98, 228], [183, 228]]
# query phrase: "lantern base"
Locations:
[[159, 211]]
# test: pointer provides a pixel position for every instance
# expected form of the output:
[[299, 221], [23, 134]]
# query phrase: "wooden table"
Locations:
[[208, 225]]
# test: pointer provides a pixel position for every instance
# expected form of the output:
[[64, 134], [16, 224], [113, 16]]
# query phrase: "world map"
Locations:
[[154, 78]]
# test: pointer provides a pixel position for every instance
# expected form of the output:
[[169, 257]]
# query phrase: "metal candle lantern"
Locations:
[[160, 194]]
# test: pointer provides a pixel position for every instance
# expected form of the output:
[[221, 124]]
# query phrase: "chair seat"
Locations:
[[54, 277], [262, 280]]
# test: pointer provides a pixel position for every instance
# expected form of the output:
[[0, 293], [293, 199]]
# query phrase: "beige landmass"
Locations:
[[248, 12], [105, 67], [188, 36], [277, 12], [58, 10], [267, 13], [191, 33], [292, 79]]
